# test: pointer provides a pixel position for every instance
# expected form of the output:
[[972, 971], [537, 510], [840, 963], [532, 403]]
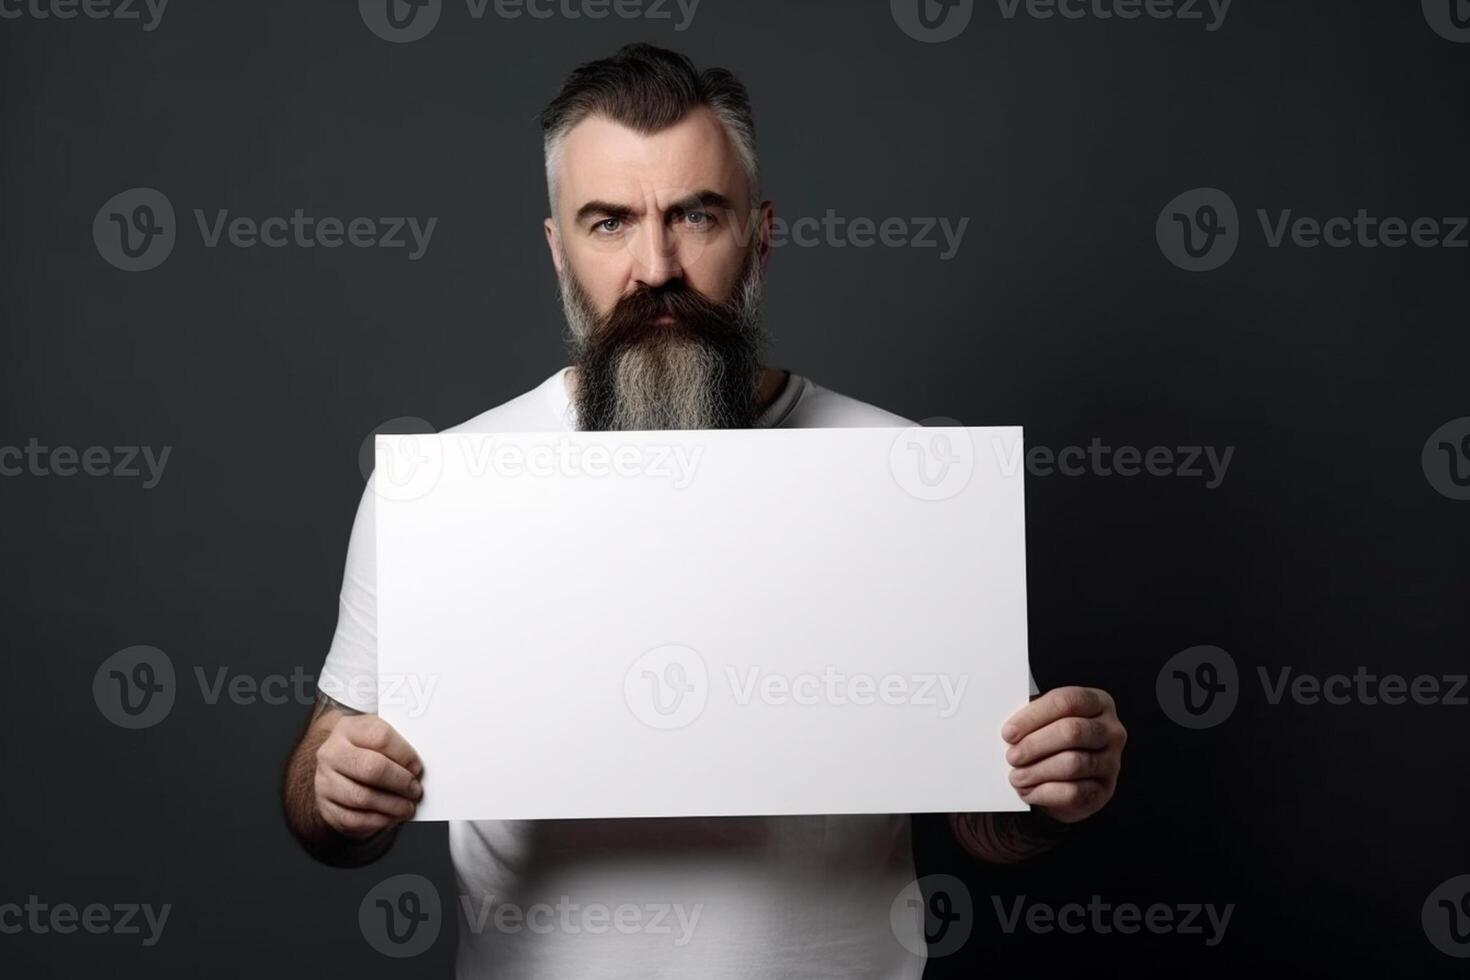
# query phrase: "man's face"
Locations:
[[660, 255]]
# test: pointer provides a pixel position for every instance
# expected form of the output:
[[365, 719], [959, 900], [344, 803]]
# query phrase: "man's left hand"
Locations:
[[1066, 748]]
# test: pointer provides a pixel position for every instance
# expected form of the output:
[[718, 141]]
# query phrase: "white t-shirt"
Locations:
[[732, 897]]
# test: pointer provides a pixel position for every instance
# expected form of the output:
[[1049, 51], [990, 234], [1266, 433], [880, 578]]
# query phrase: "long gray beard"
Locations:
[[682, 381]]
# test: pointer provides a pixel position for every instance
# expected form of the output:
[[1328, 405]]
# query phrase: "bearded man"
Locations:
[[661, 242]]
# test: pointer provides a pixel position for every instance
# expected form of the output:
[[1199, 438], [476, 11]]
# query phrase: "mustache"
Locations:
[[632, 321]]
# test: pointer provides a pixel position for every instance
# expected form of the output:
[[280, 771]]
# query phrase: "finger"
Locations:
[[353, 795], [1059, 736], [1062, 767], [1061, 702], [353, 823], [372, 732], [369, 768], [1083, 795]]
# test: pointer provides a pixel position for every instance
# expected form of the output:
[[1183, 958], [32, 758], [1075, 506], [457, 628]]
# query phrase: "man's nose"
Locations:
[[656, 256]]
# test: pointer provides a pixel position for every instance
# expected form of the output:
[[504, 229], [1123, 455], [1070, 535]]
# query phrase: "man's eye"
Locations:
[[608, 226], [699, 219]]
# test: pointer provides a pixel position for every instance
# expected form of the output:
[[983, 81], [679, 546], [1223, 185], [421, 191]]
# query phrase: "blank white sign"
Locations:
[[703, 623]]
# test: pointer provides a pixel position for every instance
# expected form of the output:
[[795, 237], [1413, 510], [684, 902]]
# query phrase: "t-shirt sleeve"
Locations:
[[350, 674]]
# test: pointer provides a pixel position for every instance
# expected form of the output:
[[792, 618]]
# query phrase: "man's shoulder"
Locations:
[[543, 408], [820, 407]]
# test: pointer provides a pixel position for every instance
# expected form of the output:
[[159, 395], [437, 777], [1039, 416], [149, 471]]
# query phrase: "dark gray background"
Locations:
[[1325, 548]]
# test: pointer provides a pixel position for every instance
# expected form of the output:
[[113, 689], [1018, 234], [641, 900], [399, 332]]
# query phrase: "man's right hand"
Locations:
[[367, 777]]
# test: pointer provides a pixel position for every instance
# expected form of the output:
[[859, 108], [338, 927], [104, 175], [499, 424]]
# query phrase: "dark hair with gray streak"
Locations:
[[649, 89]]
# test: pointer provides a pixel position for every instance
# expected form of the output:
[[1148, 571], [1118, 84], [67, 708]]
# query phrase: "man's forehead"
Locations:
[[605, 160]]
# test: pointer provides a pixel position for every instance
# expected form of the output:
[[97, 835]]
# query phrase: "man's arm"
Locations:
[[1007, 838], [348, 785]]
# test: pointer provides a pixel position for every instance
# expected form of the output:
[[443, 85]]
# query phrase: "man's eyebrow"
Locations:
[[603, 209], [698, 199], [702, 199]]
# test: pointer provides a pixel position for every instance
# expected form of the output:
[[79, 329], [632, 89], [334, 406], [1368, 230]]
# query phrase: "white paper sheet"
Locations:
[[646, 624]]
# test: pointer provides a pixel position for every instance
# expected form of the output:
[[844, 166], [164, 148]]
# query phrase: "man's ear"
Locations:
[[554, 243], [764, 230]]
